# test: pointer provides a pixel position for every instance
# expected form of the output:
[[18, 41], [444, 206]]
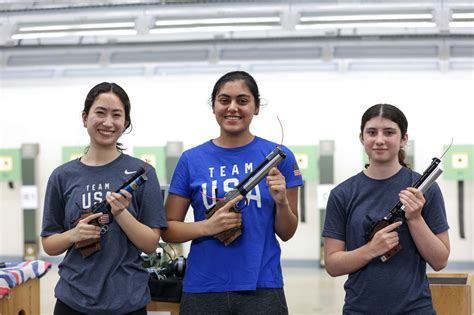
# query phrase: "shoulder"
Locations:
[[199, 149], [350, 183], [68, 167]]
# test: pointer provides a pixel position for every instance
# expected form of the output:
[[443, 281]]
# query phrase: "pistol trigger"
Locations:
[[241, 205]]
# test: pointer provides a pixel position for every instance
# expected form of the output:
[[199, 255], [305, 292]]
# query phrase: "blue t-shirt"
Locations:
[[400, 285], [253, 259], [112, 281]]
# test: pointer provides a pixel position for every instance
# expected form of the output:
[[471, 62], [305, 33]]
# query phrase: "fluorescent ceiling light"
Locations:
[[366, 20], [366, 24], [467, 15], [115, 32], [116, 28], [216, 25], [372, 17], [65, 27], [220, 21], [223, 28], [461, 24]]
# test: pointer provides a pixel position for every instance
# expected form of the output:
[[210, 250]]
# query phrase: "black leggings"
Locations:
[[62, 309]]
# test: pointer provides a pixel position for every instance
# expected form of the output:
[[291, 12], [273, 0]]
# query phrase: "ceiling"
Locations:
[[51, 38]]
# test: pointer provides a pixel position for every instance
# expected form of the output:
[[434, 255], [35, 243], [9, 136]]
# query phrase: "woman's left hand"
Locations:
[[413, 201], [277, 185], [119, 202]]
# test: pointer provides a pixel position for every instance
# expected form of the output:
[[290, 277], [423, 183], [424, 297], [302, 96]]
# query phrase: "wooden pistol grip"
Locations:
[[229, 235], [391, 253], [89, 246]]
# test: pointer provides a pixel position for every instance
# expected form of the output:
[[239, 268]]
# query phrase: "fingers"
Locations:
[[230, 204], [385, 239], [413, 200], [92, 217], [391, 227], [119, 201]]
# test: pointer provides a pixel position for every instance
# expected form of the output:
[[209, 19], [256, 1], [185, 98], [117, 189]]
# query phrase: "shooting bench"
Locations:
[[452, 293]]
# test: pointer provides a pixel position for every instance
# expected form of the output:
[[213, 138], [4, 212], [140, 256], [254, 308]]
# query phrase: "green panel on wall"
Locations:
[[155, 157], [458, 162], [10, 165], [72, 153], [29, 225], [307, 158]]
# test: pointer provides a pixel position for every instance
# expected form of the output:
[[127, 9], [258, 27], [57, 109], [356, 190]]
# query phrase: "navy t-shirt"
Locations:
[[112, 281], [400, 285]]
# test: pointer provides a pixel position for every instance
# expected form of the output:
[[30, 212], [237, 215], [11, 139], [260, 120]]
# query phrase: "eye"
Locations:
[[243, 101], [371, 132], [223, 100]]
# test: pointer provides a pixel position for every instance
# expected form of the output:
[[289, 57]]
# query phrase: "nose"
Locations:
[[379, 139], [233, 106], [107, 121]]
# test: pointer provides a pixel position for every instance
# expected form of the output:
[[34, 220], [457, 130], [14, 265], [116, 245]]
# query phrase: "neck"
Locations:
[[99, 156], [382, 171], [229, 141]]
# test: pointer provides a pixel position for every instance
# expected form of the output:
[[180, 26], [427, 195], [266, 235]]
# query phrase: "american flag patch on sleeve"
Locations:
[[104, 219], [296, 170]]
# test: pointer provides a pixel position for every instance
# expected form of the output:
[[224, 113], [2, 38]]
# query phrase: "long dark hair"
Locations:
[[392, 113], [109, 87]]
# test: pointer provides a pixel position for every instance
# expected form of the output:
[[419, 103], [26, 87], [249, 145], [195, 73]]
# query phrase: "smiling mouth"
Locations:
[[232, 117], [106, 132]]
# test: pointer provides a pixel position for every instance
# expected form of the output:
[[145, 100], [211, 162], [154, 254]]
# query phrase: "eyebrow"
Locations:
[[105, 109], [227, 95], [375, 128]]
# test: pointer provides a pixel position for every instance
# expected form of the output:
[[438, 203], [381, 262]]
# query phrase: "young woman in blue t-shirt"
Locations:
[[111, 280], [245, 276], [398, 285]]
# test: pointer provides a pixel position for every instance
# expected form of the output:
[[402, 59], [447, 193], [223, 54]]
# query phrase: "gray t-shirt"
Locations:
[[112, 281], [400, 285]]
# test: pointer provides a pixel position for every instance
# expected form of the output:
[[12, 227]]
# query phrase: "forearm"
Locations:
[[57, 244], [345, 262], [180, 232], [286, 221], [430, 246], [141, 235]]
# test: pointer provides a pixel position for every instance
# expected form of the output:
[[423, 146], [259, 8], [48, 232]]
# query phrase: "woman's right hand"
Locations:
[[223, 219], [84, 231], [384, 240]]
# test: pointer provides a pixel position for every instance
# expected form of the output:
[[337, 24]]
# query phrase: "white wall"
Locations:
[[311, 106]]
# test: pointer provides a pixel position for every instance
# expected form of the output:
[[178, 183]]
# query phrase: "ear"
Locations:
[[404, 140], [361, 139], [84, 119], [257, 110]]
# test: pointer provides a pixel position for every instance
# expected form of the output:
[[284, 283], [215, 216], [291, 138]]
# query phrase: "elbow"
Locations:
[[150, 248], [332, 270], [285, 238], [439, 266], [165, 235], [50, 252]]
